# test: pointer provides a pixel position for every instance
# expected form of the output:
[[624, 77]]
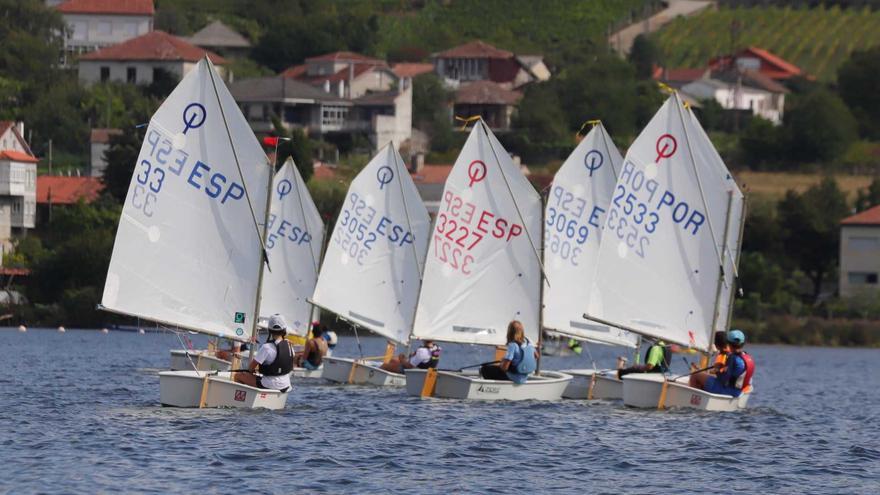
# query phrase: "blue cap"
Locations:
[[736, 337]]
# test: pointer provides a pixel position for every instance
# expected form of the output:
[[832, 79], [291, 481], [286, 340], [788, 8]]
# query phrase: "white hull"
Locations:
[[549, 385], [184, 389], [643, 390], [338, 370], [304, 374], [202, 360], [607, 386]]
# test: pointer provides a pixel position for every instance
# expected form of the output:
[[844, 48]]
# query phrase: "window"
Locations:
[[79, 30], [864, 243], [131, 74], [105, 74], [130, 29], [105, 28], [862, 278], [333, 116]]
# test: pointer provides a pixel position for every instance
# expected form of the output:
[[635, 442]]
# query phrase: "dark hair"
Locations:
[[318, 330], [720, 340]]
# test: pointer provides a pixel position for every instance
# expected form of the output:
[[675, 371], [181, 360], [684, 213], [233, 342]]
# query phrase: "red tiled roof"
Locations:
[[411, 70], [871, 216], [346, 56], [120, 7], [294, 71], [770, 58], [17, 156], [486, 92], [103, 135], [680, 75], [155, 45], [6, 270], [474, 49], [67, 190], [432, 174]]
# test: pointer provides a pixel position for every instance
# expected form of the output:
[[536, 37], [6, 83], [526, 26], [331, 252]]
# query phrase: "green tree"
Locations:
[[820, 127], [857, 84], [644, 55], [869, 196], [762, 143], [431, 110], [32, 36], [540, 117], [58, 115], [810, 225], [121, 157], [600, 87], [299, 147]]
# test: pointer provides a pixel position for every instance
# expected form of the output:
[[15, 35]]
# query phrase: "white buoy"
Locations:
[[104, 330], [22, 328], [141, 331], [61, 330]]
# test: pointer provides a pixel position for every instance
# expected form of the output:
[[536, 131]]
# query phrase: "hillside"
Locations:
[[818, 40]]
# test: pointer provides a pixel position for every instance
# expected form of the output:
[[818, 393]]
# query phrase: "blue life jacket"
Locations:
[[524, 361]]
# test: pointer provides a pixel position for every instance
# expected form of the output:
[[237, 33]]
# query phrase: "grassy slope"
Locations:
[[773, 185], [817, 40]]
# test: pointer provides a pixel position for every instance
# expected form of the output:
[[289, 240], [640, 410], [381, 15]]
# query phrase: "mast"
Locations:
[[261, 234], [742, 223], [717, 311]]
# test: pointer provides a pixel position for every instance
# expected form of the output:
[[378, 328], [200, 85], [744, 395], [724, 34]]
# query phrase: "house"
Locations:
[[741, 89], [347, 75], [18, 175], [407, 70], [222, 39], [677, 78], [99, 143], [488, 99], [143, 59], [480, 61], [860, 252], [759, 60], [383, 117], [295, 104], [96, 24], [61, 190]]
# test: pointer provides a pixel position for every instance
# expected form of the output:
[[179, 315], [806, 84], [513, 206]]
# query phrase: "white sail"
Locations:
[[660, 258], [372, 268], [293, 243], [574, 216], [483, 269], [706, 152], [188, 251]]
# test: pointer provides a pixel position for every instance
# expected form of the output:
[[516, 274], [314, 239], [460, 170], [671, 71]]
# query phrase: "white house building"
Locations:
[[140, 60], [741, 90], [860, 252], [95, 24], [99, 143], [18, 184], [347, 75]]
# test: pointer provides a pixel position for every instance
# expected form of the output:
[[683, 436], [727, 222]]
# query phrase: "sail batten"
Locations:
[[659, 262], [482, 270], [573, 216], [371, 270], [187, 252]]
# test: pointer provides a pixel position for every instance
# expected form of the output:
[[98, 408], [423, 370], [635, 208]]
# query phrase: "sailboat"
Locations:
[[372, 269], [483, 270], [188, 251], [293, 245], [667, 261], [573, 217]]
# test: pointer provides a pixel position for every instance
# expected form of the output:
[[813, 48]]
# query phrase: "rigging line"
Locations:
[[515, 205], [678, 106], [235, 156], [607, 148], [586, 346], [358, 339], [406, 210]]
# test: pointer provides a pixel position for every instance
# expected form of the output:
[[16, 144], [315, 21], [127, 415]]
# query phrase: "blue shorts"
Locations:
[[309, 366], [713, 386]]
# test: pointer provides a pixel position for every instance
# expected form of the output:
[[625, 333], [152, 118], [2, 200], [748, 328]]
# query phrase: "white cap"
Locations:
[[276, 323]]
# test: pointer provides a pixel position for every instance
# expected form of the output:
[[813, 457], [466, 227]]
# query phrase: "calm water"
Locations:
[[79, 413]]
